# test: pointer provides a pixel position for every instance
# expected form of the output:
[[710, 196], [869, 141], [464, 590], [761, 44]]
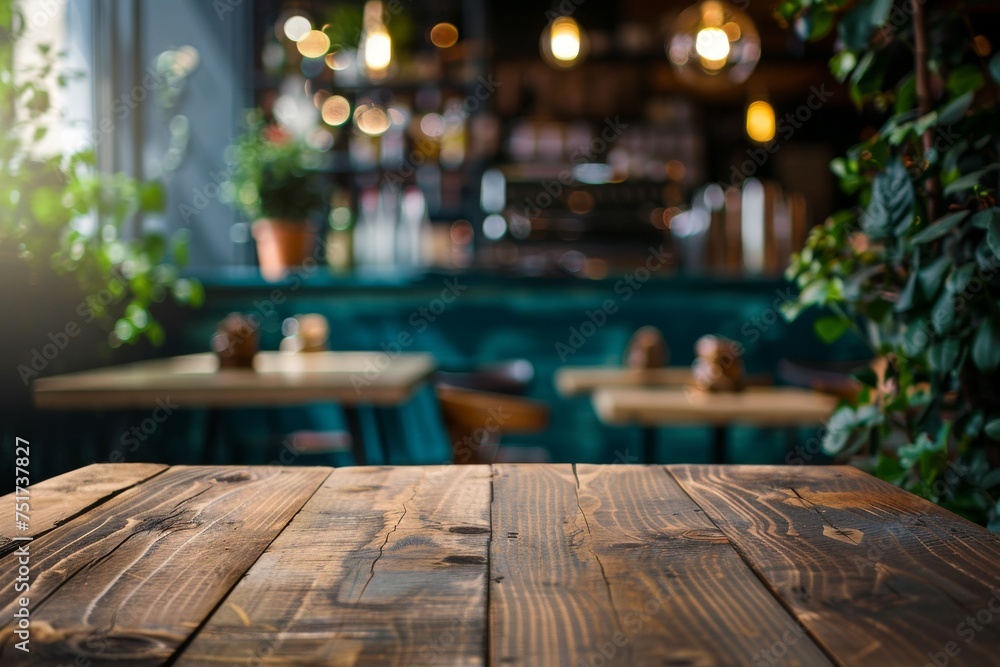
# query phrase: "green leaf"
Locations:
[[940, 227], [959, 278], [152, 197], [985, 218], [993, 234], [880, 12], [995, 66], [963, 183], [906, 94], [965, 79], [986, 347], [944, 354], [993, 429], [915, 339], [892, 199], [953, 111], [868, 76], [831, 328], [932, 276], [842, 64], [908, 295], [855, 27]]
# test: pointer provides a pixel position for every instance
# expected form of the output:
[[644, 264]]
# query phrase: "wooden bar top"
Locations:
[[534, 565], [278, 378]]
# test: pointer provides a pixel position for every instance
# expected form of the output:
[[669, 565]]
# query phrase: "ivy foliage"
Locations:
[[914, 267]]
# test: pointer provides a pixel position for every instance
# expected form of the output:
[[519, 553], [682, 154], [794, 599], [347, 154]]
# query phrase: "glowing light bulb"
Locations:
[[712, 44], [760, 122], [378, 49], [565, 39]]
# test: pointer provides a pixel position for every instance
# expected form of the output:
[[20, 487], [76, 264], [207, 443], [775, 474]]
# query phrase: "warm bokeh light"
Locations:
[[297, 27], [336, 110], [565, 39], [432, 124], [314, 45], [378, 49], [712, 44], [981, 45], [444, 35], [372, 120], [340, 59], [760, 122]]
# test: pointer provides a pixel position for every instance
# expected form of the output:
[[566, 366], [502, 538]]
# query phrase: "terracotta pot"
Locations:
[[282, 245]]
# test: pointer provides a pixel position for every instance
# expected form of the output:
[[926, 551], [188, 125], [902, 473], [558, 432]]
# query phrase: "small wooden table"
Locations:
[[351, 379], [533, 565], [757, 406]]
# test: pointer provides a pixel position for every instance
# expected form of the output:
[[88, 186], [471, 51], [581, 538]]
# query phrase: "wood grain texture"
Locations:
[[615, 565], [131, 579], [383, 567], [876, 575], [278, 378], [58, 499], [758, 406], [577, 380]]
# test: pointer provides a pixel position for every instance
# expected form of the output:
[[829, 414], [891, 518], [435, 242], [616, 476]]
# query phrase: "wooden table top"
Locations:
[[534, 565], [757, 406], [576, 380], [278, 378]]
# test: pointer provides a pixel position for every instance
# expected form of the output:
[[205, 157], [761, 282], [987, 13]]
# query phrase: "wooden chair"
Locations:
[[476, 420]]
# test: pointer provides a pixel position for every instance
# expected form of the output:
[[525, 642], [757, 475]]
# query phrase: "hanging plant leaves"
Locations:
[[891, 201], [940, 227], [953, 111], [985, 351], [932, 276], [830, 328]]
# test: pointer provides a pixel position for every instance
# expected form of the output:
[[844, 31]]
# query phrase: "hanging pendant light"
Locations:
[[761, 125], [714, 41], [563, 44]]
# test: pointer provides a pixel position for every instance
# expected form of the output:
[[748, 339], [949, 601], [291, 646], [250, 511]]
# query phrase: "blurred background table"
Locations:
[[757, 406], [351, 379]]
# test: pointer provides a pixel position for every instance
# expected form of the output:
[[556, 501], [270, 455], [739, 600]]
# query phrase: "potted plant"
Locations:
[[275, 183], [60, 213], [914, 268]]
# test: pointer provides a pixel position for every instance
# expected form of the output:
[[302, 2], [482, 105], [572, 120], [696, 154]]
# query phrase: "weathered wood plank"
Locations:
[[876, 575], [131, 579], [617, 566], [58, 499], [684, 592], [384, 566]]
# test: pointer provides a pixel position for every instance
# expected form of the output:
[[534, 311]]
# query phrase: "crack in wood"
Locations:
[[590, 548], [381, 549]]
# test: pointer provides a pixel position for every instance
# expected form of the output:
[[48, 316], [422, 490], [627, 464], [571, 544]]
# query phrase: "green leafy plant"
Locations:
[[60, 212], [914, 268], [274, 173]]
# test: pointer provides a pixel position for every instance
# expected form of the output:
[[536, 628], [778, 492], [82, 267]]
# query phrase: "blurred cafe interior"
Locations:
[[421, 232]]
